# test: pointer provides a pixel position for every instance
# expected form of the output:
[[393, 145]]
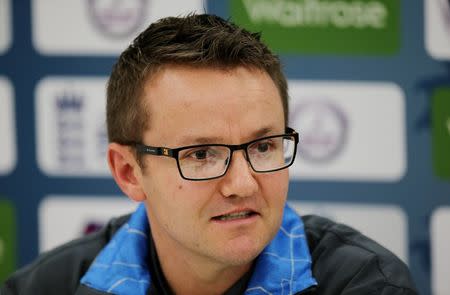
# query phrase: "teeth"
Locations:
[[235, 215]]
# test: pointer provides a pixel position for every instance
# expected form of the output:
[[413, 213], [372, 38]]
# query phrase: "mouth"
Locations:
[[235, 215]]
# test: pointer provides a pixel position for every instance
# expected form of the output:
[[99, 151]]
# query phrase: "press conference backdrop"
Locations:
[[369, 92]]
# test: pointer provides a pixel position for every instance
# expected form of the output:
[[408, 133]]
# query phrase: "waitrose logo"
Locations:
[[315, 13], [323, 26]]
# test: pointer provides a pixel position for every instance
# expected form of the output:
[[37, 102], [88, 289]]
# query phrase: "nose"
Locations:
[[239, 181]]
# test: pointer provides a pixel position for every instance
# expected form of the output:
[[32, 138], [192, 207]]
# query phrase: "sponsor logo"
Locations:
[[338, 127], [437, 28], [72, 137], [440, 256], [323, 126], [316, 13], [63, 218], [70, 130], [386, 224], [7, 240], [7, 128], [97, 27], [441, 131], [323, 26], [117, 18], [5, 25]]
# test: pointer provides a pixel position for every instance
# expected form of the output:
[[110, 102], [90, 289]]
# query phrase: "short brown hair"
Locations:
[[198, 40]]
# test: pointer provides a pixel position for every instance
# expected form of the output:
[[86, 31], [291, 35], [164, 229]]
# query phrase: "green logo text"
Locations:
[[323, 26]]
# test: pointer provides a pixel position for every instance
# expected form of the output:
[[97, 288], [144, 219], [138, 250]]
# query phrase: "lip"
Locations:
[[254, 214]]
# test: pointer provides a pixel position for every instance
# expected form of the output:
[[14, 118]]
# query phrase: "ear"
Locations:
[[126, 171]]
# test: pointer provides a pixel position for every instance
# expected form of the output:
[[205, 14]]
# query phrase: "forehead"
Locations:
[[188, 102]]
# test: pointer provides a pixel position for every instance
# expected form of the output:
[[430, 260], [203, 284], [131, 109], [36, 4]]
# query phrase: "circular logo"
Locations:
[[117, 18], [322, 126]]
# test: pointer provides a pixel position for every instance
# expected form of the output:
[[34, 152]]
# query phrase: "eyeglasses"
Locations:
[[209, 161]]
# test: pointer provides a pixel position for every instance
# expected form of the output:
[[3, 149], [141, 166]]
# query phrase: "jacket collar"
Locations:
[[284, 266]]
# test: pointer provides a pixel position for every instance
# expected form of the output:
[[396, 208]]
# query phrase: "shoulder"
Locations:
[[344, 261], [59, 270]]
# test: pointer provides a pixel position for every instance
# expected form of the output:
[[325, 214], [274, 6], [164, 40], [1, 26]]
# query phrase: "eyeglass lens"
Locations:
[[212, 161]]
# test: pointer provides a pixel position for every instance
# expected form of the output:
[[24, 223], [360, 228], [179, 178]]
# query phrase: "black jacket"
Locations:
[[344, 262]]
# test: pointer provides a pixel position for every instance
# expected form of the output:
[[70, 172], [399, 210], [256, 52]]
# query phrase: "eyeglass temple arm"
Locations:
[[157, 151]]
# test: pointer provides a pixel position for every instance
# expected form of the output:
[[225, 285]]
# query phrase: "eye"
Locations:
[[263, 147], [200, 154]]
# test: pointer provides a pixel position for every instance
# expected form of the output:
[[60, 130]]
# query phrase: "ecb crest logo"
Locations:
[[70, 130], [323, 127], [117, 18]]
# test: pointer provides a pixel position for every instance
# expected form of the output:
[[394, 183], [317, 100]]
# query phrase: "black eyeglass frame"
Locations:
[[174, 152]]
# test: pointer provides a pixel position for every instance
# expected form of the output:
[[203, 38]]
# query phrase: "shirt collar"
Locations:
[[284, 266]]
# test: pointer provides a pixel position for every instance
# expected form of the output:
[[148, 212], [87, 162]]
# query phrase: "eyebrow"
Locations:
[[262, 132], [192, 140]]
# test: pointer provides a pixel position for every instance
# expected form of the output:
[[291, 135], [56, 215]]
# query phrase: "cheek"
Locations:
[[275, 186], [175, 199], [274, 190], [162, 188]]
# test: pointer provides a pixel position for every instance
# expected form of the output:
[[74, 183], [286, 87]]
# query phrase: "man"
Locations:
[[197, 122]]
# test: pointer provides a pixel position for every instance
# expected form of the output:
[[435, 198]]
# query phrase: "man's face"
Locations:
[[191, 106]]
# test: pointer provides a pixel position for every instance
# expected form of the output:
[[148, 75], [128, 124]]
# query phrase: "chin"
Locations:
[[242, 251], [241, 259]]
